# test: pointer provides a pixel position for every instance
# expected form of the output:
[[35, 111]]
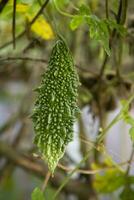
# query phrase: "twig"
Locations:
[[8, 167], [124, 11], [23, 58], [3, 4], [9, 123], [66, 180], [127, 183], [106, 6], [130, 161], [103, 65], [62, 12], [121, 17], [86, 171], [14, 23], [116, 119], [46, 181], [81, 171], [6, 59], [39, 12]]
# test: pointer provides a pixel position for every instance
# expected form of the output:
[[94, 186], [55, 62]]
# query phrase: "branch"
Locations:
[[23, 58], [39, 12], [74, 186], [106, 6], [115, 120], [3, 4], [121, 17], [130, 161], [14, 23], [127, 185]]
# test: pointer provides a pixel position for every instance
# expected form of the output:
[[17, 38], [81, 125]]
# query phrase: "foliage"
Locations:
[[128, 119], [109, 182], [98, 28], [37, 194], [127, 193]]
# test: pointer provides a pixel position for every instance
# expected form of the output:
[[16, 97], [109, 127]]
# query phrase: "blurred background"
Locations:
[[105, 80]]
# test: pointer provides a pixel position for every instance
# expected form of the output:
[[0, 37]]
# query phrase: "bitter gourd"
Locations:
[[56, 105]]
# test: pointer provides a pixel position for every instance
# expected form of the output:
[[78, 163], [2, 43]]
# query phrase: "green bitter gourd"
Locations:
[[56, 105]]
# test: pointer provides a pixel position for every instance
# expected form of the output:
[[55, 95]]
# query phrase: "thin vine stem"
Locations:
[[107, 9], [65, 181], [127, 183], [130, 160], [6, 59], [115, 120], [62, 12], [121, 17], [44, 185]]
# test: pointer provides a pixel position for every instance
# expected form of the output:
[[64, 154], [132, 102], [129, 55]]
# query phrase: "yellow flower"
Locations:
[[42, 28]]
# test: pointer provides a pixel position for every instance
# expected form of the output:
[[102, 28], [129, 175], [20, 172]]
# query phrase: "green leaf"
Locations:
[[129, 120], [98, 30], [127, 193], [109, 181], [76, 21], [37, 194], [84, 10], [131, 132], [104, 36]]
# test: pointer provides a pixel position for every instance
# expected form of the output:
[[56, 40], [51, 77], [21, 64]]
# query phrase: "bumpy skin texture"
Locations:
[[56, 105]]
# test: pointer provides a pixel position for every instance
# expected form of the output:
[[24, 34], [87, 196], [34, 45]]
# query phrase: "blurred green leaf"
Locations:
[[127, 194], [61, 3], [112, 24], [131, 132], [37, 194], [49, 192], [129, 120], [84, 10], [109, 181], [98, 30], [76, 21]]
